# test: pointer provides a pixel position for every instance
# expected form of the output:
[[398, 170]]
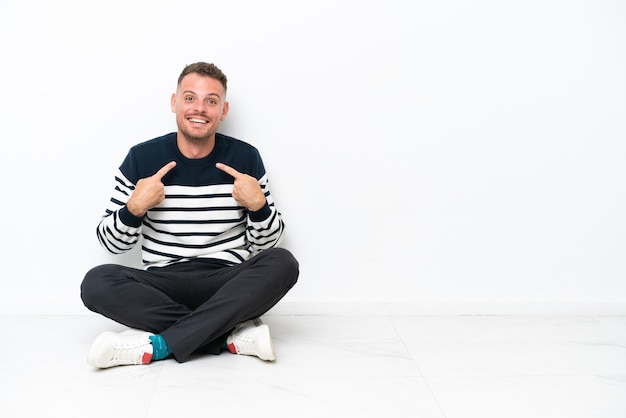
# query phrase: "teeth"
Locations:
[[197, 120]]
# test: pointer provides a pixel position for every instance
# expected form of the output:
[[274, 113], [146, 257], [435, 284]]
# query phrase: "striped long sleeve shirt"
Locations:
[[199, 219]]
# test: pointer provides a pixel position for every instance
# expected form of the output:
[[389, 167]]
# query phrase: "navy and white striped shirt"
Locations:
[[199, 219]]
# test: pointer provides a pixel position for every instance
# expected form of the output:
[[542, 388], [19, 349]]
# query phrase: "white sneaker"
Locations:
[[252, 338], [111, 349]]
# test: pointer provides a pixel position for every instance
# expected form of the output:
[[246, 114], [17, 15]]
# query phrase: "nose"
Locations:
[[199, 106]]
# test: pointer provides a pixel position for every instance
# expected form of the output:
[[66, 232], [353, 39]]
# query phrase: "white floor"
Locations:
[[332, 366]]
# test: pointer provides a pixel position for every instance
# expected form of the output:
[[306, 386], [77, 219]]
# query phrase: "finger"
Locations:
[[228, 170], [165, 169]]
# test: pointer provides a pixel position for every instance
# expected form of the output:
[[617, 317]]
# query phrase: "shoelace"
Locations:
[[127, 353]]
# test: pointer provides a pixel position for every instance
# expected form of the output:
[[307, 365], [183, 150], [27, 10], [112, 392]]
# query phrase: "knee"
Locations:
[[94, 283], [285, 261]]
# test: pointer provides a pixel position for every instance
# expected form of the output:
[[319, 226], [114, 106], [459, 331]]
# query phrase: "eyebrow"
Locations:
[[196, 94]]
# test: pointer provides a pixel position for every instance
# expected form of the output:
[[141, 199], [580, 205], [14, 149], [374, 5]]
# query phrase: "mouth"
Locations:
[[198, 120]]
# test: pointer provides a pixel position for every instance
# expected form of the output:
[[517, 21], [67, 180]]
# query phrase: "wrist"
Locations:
[[134, 210]]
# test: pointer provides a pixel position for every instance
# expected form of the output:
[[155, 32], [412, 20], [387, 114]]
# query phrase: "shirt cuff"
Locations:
[[129, 219], [261, 214]]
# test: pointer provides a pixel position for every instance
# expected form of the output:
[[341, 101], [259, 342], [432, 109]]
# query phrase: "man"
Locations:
[[210, 230]]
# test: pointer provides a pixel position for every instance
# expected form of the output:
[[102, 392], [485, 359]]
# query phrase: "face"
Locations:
[[200, 105]]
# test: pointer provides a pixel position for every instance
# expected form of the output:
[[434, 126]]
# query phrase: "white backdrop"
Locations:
[[430, 156]]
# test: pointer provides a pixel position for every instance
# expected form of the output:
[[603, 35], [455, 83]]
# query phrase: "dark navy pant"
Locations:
[[193, 305]]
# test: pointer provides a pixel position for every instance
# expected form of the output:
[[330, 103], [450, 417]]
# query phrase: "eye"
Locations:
[[188, 99], [212, 102]]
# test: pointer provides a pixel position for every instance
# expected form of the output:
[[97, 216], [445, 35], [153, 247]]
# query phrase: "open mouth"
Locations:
[[197, 120]]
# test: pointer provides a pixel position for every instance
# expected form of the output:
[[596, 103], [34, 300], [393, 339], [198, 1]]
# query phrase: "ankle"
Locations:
[[160, 349]]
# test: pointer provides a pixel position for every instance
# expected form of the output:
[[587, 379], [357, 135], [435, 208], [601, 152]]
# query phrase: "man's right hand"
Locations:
[[149, 192]]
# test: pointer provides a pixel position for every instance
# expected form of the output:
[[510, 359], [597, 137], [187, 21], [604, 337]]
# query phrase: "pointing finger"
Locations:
[[228, 170], [165, 169]]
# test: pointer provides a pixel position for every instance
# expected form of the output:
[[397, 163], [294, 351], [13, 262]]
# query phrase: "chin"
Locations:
[[196, 138]]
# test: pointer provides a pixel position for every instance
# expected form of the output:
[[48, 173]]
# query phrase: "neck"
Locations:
[[195, 148]]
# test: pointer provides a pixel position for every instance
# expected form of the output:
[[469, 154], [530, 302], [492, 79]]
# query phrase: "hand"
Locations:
[[149, 192], [246, 189]]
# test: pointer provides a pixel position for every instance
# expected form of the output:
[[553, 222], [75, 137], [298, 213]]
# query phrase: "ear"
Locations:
[[224, 111], [173, 102]]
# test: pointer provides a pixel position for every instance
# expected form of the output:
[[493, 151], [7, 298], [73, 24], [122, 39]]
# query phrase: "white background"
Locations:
[[437, 156]]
